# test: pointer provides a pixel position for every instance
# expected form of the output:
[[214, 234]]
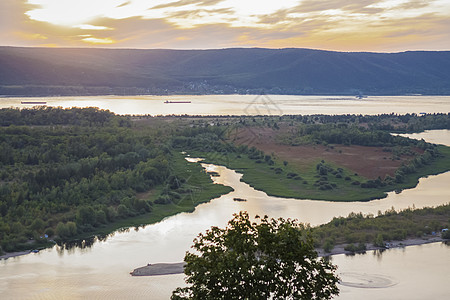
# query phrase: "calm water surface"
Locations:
[[102, 271], [248, 104]]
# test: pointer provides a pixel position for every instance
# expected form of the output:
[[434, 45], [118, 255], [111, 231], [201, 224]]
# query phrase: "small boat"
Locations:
[[167, 101], [34, 102], [213, 173], [239, 199]]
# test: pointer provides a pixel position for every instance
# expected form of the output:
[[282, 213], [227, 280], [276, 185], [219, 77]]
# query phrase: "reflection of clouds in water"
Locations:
[[368, 281]]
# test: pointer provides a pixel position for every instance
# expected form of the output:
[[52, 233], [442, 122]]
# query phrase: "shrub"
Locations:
[[355, 248], [163, 199], [50, 232], [446, 234], [379, 241], [328, 245], [291, 175], [122, 211]]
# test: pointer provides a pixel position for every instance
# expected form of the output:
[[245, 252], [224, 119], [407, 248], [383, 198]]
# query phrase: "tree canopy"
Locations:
[[70, 171], [270, 258]]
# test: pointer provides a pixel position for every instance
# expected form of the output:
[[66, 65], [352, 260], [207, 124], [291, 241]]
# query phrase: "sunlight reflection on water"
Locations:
[[239, 104], [102, 270]]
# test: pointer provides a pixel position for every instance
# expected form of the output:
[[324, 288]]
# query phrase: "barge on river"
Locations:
[[34, 102], [167, 101]]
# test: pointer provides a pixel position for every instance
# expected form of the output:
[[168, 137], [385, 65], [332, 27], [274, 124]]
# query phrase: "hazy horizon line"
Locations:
[[207, 49]]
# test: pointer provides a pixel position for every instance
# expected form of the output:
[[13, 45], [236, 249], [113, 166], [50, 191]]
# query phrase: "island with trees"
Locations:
[[336, 158], [70, 174], [358, 232]]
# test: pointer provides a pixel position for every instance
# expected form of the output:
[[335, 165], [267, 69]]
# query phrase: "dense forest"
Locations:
[[61, 180], [384, 122], [66, 173]]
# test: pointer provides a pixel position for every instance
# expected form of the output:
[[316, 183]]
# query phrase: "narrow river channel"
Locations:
[[101, 271]]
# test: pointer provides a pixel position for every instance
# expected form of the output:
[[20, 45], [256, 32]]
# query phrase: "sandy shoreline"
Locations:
[[159, 269], [339, 249], [14, 254], [178, 268]]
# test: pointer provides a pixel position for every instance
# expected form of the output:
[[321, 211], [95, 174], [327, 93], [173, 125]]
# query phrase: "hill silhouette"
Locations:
[[82, 71]]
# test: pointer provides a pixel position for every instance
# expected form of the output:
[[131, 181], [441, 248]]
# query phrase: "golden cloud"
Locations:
[[364, 25], [91, 27], [98, 41]]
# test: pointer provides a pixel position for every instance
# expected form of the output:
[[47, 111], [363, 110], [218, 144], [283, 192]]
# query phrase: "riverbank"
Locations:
[[14, 254], [200, 189], [290, 158], [159, 269], [339, 249], [286, 179], [165, 268]]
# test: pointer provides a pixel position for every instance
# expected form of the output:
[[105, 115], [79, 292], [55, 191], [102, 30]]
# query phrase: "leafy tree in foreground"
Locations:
[[248, 260]]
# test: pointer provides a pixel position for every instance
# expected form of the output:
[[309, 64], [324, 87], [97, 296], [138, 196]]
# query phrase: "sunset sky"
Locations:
[[343, 25]]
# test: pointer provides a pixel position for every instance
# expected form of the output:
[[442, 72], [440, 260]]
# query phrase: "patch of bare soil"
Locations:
[[152, 121], [145, 195], [369, 162]]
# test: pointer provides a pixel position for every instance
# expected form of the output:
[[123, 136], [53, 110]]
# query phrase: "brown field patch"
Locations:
[[369, 162], [145, 195]]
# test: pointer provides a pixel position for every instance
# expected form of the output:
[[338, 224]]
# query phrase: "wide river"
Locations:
[[102, 270], [248, 104]]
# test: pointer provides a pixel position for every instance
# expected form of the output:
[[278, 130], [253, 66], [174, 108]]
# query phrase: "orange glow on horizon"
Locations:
[[379, 25]]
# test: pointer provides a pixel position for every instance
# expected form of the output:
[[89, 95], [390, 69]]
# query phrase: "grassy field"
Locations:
[[264, 177]]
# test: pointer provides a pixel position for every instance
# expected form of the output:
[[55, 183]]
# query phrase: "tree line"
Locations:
[[65, 179], [359, 230], [65, 172]]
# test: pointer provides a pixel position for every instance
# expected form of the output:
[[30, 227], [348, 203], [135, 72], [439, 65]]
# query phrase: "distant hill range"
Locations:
[[69, 71]]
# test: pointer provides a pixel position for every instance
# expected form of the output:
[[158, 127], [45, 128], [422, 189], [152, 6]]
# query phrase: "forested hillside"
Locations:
[[50, 71]]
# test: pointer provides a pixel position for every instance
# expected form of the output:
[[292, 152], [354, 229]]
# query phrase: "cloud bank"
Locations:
[[379, 25]]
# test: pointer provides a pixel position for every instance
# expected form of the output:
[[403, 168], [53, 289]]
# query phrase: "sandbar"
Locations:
[[178, 268], [159, 269]]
